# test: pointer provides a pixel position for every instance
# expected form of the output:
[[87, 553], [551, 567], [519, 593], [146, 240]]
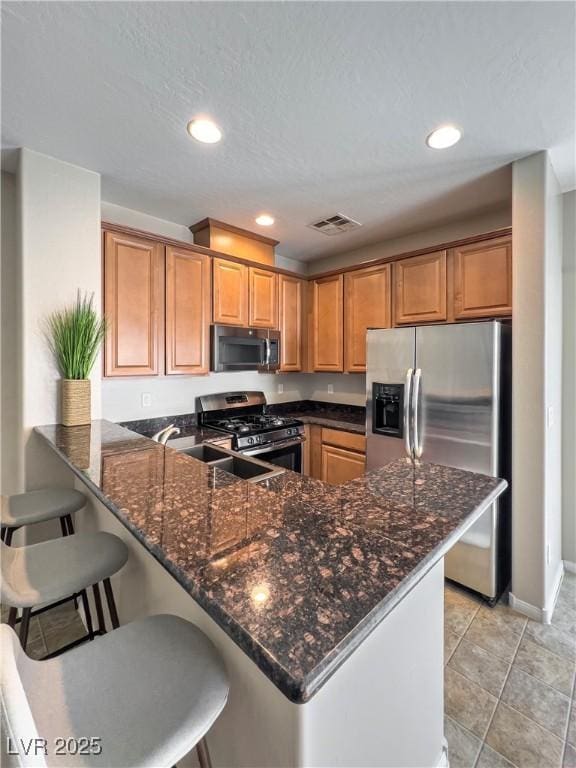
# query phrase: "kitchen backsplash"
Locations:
[[125, 399]]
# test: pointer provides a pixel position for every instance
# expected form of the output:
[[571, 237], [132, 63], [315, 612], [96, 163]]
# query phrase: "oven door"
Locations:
[[287, 454]]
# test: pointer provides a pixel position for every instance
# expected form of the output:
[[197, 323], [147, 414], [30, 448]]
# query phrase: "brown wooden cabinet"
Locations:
[[334, 455], [133, 305], [367, 304], [420, 289], [343, 455], [328, 319], [263, 298], [483, 279], [188, 297], [340, 465], [290, 321], [230, 282]]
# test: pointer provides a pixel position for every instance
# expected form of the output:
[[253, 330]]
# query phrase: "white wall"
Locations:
[[12, 477], [569, 381], [537, 366], [59, 245], [456, 230]]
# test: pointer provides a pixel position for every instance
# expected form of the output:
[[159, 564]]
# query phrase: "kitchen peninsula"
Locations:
[[326, 602]]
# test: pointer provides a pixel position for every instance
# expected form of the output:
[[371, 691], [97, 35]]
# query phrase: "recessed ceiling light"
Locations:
[[265, 220], [444, 137], [204, 130]]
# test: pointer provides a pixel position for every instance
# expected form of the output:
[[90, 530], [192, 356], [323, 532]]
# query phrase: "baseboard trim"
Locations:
[[569, 566], [542, 615], [532, 611]]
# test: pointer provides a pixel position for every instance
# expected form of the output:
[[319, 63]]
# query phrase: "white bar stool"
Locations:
[[37, 507], [49, 573], [149, 692]]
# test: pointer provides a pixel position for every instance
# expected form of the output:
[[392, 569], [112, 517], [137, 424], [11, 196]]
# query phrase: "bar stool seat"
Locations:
[[48, 571], [150, 690], [52, 572], [39, 506]]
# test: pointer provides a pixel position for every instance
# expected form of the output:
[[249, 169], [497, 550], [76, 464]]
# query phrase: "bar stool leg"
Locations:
[[111, 603], [3, 532], [99, 611], [68, 520], [12, 616], [24, 627], [88, 615], [63, 527], [203, 754], [9, 534]]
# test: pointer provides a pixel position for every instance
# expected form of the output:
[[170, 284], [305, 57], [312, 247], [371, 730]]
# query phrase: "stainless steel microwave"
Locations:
[[244, 349]]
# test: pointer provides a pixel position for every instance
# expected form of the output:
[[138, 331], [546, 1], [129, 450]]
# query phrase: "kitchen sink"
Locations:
[[240, 466], [244, 468], [205, 452]]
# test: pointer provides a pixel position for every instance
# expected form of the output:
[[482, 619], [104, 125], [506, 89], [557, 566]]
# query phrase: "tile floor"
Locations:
[[509, 684], [509, 688]]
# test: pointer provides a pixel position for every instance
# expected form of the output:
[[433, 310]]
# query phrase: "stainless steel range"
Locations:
[[254, 432]]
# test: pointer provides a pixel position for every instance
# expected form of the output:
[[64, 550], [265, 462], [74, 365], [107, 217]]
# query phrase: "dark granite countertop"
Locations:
[[295, 571], [186, 423], [351, 418]]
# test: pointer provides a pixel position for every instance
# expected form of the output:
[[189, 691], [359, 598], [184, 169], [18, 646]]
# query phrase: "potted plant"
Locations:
[[76, 334]]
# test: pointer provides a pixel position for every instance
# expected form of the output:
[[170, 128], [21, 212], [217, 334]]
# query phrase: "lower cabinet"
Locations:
[[340, 464], [334, 455]]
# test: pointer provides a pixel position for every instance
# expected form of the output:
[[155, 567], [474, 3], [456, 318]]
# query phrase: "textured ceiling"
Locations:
[[324, 106]]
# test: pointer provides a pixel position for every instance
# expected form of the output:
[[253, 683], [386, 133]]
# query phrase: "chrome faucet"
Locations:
[[165, 434]]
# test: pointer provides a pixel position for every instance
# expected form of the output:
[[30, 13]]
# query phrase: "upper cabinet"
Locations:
[[133, 305], [290, 322], [188, 297], [483, 279], [263, 299], [367, 304], [230, 292], [420, 289], [328, 319]]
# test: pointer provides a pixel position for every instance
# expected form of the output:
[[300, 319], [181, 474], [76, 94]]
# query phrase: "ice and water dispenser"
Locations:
[[388, 409]]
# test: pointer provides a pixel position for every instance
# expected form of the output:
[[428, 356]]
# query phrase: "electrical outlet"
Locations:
[[146, 399], [280, 388], [330, 389]]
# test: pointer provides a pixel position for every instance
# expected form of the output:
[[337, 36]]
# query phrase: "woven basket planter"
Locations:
[[75, 402]]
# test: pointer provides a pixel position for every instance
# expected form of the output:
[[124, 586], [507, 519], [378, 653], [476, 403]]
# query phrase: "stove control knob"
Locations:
[[250, 441]]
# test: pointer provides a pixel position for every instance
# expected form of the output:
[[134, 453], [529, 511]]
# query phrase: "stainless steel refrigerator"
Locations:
[[441, 393]]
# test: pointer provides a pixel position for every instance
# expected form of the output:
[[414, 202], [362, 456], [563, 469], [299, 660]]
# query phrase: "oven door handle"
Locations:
[[257, 450]]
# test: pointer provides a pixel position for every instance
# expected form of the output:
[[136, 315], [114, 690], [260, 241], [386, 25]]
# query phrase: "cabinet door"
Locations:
[[133, 305], [263, 298], [188, 295], [291, 291], [230, 292], [315, 449], [340, 465], [367, 301], [420, 289], [483, 279], [328, 354]]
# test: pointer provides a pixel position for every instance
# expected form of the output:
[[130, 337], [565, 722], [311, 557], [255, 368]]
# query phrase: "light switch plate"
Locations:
[[330, 389], [280, 388], [146, 399]]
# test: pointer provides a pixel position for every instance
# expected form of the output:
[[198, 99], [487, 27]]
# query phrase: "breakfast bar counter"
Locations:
[[316, 585]]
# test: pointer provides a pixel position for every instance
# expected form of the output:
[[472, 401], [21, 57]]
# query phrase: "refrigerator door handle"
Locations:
[[415, 412], [407, 387]]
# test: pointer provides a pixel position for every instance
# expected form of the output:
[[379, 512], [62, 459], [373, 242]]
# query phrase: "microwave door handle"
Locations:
[[268, 351], [407, 419], [416, 412]]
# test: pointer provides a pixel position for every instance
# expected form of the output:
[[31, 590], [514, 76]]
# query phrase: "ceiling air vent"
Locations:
[[335, 225]]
